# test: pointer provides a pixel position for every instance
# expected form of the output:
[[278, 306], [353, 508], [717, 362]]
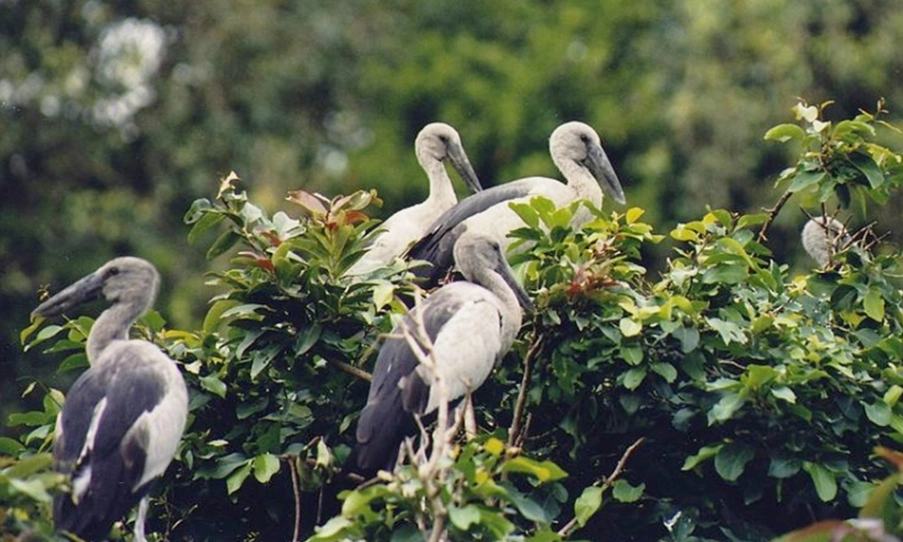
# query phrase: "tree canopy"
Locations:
[[116, 116]]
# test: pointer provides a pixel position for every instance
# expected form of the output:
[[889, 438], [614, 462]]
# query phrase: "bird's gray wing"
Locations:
[[99, 410], [387, 417], [437, 246]]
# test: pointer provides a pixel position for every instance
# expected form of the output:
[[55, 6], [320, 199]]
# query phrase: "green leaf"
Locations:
[[214, 385], [634, 377], [784, 133], [869, 169], [873, 303], [725, 408], [624, 491], [666, 371], [784, 393], [730, 462], [265, 466], [879, 413], [824, 481], [630, 327], [222, 244], [237, 478], [544, 471], [729, 331], [704, 454], [783, 467], [805, 179], [587, 504], [464, 517]]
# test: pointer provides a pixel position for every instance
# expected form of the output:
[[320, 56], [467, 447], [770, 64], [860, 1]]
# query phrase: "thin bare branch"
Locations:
[[350, 369], [517, 433], [606, 482], [772, 214], [296, 493]]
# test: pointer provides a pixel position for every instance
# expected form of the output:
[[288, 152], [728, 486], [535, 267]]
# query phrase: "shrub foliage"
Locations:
[[722, 397]]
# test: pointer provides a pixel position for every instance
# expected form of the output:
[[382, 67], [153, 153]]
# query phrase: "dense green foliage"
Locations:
[[107, 140], [725, 398]]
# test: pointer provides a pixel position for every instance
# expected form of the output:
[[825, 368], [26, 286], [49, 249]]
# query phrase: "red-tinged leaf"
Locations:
[[823, 531], [355, 217], [311, 202], [892, 456], [272, 237]]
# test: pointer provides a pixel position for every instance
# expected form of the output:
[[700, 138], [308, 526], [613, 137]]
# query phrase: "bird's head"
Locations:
[[440, 142], [122, 280], [575, 143], [476, 254]]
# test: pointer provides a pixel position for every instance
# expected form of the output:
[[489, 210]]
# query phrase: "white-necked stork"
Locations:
[[123, 418], [823, 237], [577, 152], [436, 144], [471, 325]]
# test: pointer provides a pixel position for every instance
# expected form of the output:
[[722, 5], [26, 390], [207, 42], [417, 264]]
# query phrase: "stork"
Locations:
[[123, 418], [436, 144], [471, 325], [577, 152], [823, 237]]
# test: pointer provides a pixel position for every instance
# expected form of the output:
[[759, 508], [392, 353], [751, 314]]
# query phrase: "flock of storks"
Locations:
[[122, 420]]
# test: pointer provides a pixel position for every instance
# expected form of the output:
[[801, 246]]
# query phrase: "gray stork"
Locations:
[[471, 325], [436, 144], [823, 237], [123, 418], [577, 152]]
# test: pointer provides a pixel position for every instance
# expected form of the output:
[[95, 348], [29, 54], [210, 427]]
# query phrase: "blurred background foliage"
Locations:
[[114, 116]]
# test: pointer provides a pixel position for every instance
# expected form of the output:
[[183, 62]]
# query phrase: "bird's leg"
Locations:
[[139, 522], [470, 417]]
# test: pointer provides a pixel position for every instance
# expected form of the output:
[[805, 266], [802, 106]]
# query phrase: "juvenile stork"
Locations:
[[577, 152], [823, 237], [471, 325], [436, 144], [123, 418]]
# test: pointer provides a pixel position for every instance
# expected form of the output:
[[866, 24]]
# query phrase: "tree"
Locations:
[[726, 398]]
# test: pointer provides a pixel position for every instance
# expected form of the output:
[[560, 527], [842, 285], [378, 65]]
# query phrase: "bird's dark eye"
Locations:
[[584, 138], [443, 138], [113, 271]]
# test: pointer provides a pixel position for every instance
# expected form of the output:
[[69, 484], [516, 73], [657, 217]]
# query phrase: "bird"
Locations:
[[471, 324], [576, 150], [436, 144], [123, 418], [823, 237]]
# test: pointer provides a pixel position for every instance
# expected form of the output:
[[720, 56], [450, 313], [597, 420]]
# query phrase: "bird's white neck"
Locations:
[[441, 190], [511, 311], [112, 325], [581, 181]]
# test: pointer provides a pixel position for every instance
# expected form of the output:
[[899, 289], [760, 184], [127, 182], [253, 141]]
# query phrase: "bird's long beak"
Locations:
[[88, 288], [459, 161], [598, 164], [507, 274]]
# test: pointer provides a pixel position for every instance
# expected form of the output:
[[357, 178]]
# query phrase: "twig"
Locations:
[[607, 482], [351, 369], [772, 214], [516, 433], [296, 492], [430, 473]]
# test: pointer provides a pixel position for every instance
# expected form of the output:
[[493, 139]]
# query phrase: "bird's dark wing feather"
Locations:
[[437, 246], [130, 389], [387, 419]]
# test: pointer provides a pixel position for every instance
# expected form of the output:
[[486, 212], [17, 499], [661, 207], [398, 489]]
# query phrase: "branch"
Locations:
[[516, 433], [607, 482], [351, 369], [772, 214], [296, 492]]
